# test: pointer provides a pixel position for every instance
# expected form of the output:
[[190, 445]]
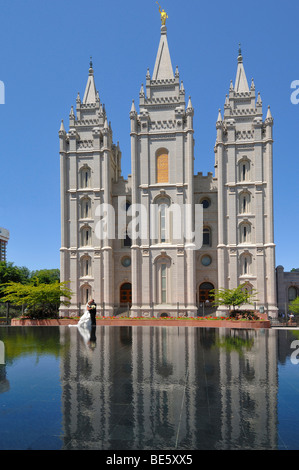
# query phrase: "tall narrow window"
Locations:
[[85, 236], [162, 226], [85, 177], [127, 241], [244, 169], [162, 166], [163, 283], [206, 237], [163, 209], [86, 266], [85, 208], [85, 294], [245, 233], [246, 265], [244, 203]]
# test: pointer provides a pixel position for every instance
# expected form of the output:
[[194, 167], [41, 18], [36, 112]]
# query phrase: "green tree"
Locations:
[[11, 273], [46, 276], [233, 297], [294, 306], [42, 300]]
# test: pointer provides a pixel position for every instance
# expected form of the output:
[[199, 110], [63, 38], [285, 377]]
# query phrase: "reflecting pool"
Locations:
[[148, 388]]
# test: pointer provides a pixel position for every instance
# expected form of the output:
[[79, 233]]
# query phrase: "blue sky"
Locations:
[[44, 61]]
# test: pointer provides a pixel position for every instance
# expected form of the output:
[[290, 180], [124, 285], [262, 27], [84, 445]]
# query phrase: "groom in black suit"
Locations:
[[92, 310]]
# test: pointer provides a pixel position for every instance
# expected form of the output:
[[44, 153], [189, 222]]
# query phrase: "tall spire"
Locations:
[[241, 84], [90, 94], [163, 67]]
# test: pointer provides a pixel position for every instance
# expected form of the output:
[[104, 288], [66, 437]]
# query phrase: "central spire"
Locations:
[[241, 84], [90, 90], [163, 67]]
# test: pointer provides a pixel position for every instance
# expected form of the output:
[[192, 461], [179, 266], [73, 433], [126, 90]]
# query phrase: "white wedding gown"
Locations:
[[85, 320]]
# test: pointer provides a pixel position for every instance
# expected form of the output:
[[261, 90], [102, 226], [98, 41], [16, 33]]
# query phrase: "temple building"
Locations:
[[122, 240]]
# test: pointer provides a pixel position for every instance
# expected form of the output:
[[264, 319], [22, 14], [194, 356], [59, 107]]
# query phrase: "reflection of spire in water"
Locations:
[[4, 383], [2, 353]]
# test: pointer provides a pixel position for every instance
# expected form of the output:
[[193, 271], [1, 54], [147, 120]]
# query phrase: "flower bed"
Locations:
[[206, 322]]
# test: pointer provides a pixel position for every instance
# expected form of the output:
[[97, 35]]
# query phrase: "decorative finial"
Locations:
[[240, 58], [90, 66]]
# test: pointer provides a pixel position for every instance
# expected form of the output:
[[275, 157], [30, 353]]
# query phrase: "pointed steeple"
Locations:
[[90, 94], [133, 108], [189, 106], [163, 67], [62, 129], [269, 115], [241, 84], [219, 118]]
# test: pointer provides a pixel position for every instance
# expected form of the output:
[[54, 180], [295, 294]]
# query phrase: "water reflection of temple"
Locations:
[[169, 388]]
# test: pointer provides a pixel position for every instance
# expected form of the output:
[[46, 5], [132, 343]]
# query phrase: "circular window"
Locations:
[[206, 260], [206, 203], [126, 261]]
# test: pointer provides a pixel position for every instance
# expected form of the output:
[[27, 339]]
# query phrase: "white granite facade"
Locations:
[[160, 270]]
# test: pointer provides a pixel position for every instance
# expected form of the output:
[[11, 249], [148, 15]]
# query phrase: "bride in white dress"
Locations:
[[85, 320]]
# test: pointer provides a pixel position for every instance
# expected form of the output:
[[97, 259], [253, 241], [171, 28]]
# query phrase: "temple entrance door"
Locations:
[[205, 298], [126, 293], [204, 292]]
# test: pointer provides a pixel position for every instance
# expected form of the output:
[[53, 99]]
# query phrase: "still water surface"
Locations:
[[149, 388]]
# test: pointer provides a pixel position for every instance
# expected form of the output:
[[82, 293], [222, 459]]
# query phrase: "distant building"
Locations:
[[287, 288], [4, 237]]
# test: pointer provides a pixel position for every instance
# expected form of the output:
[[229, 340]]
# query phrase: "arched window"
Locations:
[[246, 264], [85, 266], [84, 177], [163, 265], [86, 236], [244, 200], [244, 170], [245, 232], [162, 166], [292, 294], [85, 208], [247, 288], [163, 219], [85, 293]]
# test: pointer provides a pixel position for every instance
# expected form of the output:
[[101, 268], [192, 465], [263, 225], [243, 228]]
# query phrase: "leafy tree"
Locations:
[[46, 276], [233, 297], [9, 272], [42, 300], [294, 306], [295, 270]]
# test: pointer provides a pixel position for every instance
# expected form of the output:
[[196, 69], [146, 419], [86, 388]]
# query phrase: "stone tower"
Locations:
[[162, 154], [243, 162], [89, 165]]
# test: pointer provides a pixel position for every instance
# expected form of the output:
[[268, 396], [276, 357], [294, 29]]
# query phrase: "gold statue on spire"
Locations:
[[163, 14]]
